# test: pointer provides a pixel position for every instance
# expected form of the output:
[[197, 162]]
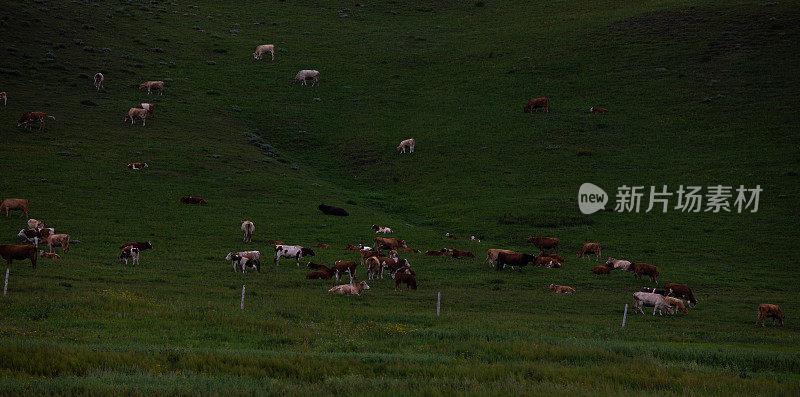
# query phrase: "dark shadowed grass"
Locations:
[[698, 95]]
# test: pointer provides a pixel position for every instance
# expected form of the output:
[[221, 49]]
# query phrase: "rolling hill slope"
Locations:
[[698, 95]]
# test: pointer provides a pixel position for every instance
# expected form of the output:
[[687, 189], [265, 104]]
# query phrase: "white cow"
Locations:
[[264, 48], [247, 229], [648, 299], [292, 251], [618, 264], [304, 75]]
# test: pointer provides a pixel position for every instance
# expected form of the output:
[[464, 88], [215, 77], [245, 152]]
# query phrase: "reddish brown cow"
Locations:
[[602, 269], [193, 200], [590, 248], [402, 277], [766, 310], [643, 268], [544, 243], [410, 250], [9, 252], [546, 261], [595, 110], [342, 267], [461, 254], [15, 204], [322, 272], [681, 290], [351, 247], [323, 246], [441, 252], [137, 244], [30, 117], [536, 103], [557, 257]]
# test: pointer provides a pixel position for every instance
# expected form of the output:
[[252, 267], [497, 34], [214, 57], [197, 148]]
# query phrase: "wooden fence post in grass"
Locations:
[[624, 315], [242, 298], [438, 302], [5, 288]]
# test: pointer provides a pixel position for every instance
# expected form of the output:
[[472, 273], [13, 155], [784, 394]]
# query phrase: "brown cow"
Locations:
[[441, 252], [544, 243], [595, 110], [410, 250], [402, 277], [15, 204], [341, 267], [351, 247], [460, 254], [137, 244], [603, 269], [49, 255], [193, 200], [58, 240], [9, 252], [643, 268], [546, 261], [153, 85], [491, 255], [535, 103], [562, 289], [389, 243], [30, 117], [590, 248], [323, 246], [766, 310], [149, 107], [556, 257], [681, 290], [514, 260]]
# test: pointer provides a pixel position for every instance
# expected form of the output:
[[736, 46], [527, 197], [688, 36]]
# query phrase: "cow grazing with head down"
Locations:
[[247, 230], [331, 210], [590, 248], [9, 252], [31, 117], [263, 49], [15, 204], [537, 103], [193, 200], [98, 80], [307, 74], [406, 144], [544, 243], [681, 291], [641, 299], [676, 304], [149, 107], [35, 224], [292, 251], [134, 113], [245, 259], [153, 85], [767, 310]]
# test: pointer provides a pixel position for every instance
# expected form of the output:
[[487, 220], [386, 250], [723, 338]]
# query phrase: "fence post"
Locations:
[[624, 315], [242, 308], [5, 288], [438, 302]]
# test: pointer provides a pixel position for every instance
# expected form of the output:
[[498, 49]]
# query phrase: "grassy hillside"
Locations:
[[698, 95]]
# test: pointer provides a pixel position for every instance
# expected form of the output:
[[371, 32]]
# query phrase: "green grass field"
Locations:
[[699, 93]]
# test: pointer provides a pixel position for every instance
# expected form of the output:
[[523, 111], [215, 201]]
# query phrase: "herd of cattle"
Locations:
[[374, 259]]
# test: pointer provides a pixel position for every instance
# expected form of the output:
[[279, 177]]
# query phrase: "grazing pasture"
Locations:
[[700, 94]]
